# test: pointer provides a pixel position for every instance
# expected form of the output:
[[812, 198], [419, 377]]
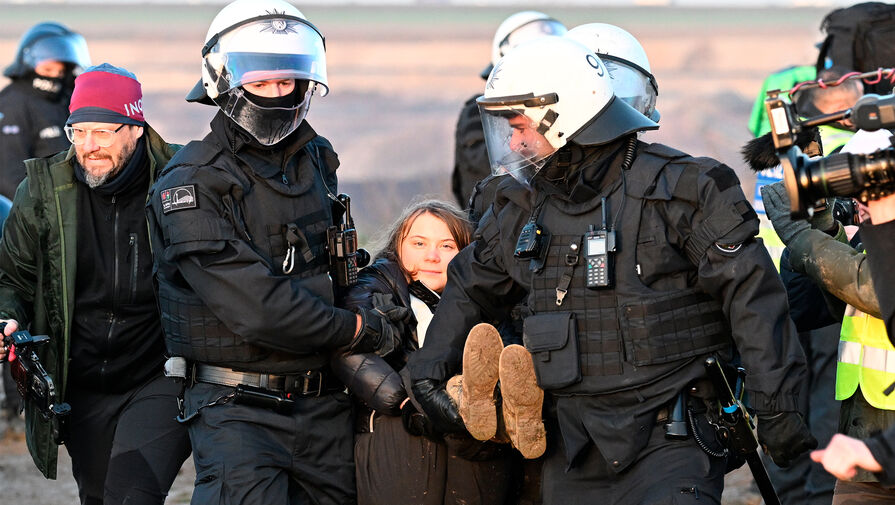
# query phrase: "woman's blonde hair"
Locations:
[[450, 214]]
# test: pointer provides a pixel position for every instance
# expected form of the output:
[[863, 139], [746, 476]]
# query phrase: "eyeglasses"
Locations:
[[102, 137]]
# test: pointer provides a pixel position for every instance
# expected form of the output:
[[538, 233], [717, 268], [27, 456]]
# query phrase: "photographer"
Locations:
[[75, 265], [818, 249], [844, 455], [860, 384]]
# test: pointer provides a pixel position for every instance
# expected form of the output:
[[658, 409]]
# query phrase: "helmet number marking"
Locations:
[[595, 62]]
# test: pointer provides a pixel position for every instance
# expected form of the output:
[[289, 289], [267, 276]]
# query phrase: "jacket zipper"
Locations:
[[135, 258], [114, 289]]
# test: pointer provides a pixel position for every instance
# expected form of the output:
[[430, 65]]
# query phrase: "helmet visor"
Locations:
[[632, 86], [69, 48], [267, 49], [515, 144], [531, 30], [268, 125]]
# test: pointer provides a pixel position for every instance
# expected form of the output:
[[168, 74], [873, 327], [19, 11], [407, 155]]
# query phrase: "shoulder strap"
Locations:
[[197, 152], [650, 162], [327, 174]]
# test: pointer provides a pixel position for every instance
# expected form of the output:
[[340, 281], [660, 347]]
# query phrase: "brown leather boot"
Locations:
[[473, 392], [522, 402]]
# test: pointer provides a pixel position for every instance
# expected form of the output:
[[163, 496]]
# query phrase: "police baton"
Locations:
[[737, 428]]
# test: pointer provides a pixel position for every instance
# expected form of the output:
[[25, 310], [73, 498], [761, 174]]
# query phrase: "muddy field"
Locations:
[[398, 77]]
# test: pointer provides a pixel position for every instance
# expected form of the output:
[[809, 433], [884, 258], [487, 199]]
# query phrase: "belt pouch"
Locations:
[[257, 397], [552, 340]]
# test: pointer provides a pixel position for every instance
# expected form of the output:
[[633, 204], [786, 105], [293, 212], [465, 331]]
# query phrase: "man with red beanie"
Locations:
[[75, 264]]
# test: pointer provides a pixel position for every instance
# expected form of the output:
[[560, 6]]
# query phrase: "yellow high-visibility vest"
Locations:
[[833, 138], [866, 358]]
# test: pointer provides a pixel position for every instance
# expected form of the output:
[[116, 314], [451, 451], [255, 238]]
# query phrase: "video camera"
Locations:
[[862, 176], [345, 258], [32, 380]]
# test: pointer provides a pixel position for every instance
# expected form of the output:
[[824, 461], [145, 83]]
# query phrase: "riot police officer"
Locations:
[[239, 223], [34, 106], [637, 261], [470, 157]]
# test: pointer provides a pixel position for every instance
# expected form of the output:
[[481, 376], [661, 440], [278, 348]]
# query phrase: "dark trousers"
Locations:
[[667, 471], [126, 447], [252, 455], [395, 467], [805, 482]]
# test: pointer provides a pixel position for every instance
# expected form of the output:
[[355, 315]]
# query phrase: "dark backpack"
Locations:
[[862, 38]]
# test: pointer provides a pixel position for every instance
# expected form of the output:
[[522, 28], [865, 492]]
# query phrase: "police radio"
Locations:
[[341, 242], [529, 243], [599, 246]]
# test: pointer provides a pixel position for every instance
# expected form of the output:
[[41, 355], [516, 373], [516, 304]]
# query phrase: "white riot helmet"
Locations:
[[518, 28], [259, 40], [544, 94], [626, 60]]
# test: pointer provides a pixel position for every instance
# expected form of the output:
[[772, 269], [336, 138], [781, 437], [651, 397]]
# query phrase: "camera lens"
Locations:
[[831, 176], [862, 176]]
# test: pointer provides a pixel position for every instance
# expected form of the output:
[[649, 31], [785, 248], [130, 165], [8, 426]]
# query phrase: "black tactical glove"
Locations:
[[776, 207], [784, 436], [416, 423], [438, 406], [378, 333]]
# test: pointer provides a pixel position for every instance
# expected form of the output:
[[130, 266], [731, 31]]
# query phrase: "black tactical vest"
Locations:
[[630, 334], [270, 217]]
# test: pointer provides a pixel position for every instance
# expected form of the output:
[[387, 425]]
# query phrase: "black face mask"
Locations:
[[50, 88]]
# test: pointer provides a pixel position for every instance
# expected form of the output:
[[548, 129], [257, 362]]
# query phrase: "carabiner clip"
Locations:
[[289, 262]]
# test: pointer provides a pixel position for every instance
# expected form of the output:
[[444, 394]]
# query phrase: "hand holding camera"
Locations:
[[867, 177], [10, 326]]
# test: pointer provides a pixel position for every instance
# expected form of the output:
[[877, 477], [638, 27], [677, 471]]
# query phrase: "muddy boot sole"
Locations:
[[481, 358], [523, 401], [454, 389]]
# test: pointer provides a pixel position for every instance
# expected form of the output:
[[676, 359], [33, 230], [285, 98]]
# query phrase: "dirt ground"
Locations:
[[398, 77]]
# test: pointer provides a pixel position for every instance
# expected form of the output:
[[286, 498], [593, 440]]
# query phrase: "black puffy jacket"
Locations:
[[374, 380]]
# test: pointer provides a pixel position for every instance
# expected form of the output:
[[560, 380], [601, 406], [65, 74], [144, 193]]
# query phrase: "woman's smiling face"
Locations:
[[426, 250]]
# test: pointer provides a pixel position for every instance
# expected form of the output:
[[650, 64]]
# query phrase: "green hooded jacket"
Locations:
[[37, 270]]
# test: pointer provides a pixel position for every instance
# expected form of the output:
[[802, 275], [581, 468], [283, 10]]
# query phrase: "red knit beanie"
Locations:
[[106, 94]]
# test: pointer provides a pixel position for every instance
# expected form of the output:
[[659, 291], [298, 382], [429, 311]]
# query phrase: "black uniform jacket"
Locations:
[[30, 127], [485, 280], [232, 270]]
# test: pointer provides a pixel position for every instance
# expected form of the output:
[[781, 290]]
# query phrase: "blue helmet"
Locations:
[[48, 41]]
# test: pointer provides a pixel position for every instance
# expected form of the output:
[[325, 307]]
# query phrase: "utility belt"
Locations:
[[693, 413], [275, 392], [311, 383]]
